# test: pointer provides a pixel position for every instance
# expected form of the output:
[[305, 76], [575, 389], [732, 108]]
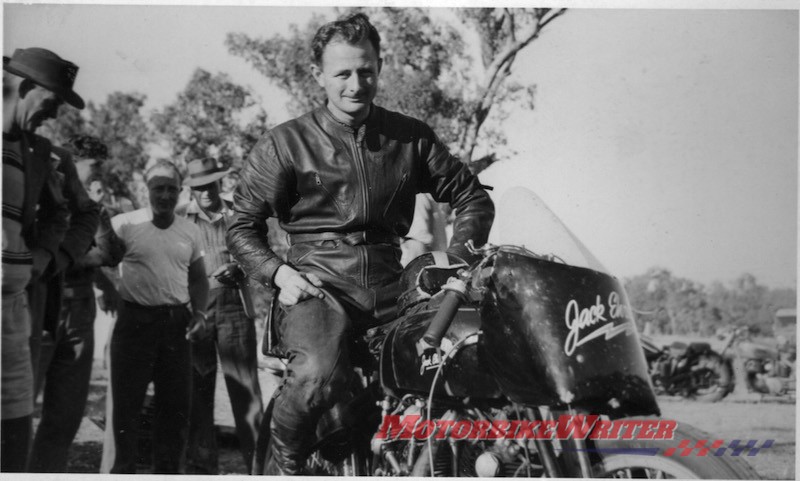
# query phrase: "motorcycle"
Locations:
[[767, 370], [694, 370], [534, 334]]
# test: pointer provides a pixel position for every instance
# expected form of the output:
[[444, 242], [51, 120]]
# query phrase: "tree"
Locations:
[[673, 304], [119, 123], [426, 69], [212, 117]]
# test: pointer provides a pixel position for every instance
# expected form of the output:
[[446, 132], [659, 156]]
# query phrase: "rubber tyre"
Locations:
[[724, 374], [692, 466]]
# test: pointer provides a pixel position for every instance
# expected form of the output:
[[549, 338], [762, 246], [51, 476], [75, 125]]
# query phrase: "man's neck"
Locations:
[[163, 221]]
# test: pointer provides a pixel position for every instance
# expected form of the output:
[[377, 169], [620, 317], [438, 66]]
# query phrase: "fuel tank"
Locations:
[[559, 335], [462, 375]]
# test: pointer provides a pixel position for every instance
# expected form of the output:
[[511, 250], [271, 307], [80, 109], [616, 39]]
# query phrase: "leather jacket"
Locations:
[[346, 196]]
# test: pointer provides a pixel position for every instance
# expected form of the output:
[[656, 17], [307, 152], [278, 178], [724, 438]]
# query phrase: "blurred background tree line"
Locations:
[[667, 304], [428, 73]]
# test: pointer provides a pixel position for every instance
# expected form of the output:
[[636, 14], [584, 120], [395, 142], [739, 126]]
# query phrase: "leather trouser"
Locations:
[[315, 335]]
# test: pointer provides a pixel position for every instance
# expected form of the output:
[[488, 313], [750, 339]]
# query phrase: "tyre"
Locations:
[[692, 466], [712, 378]]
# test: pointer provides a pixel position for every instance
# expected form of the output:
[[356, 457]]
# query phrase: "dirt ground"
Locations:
[[743, 417]]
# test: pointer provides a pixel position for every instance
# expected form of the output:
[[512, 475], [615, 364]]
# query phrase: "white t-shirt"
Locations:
[[155, 269]]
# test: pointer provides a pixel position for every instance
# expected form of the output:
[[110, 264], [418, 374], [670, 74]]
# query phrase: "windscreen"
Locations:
[[524, 220]]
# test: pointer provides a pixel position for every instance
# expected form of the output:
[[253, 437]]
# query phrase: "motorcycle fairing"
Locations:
[[558, 335]]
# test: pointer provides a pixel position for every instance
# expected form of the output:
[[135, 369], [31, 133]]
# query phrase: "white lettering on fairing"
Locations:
[[578, 320]]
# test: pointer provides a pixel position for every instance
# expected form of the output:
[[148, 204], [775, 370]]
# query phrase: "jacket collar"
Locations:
[[372, 122]]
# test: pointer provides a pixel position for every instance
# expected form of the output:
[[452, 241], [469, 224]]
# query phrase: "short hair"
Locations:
[[164, 164], [352, 29], [88, 147], [95, 177]]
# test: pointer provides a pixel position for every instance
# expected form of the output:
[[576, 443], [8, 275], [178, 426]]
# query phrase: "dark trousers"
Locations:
[[233, 335], [65, 366], [149, 344]]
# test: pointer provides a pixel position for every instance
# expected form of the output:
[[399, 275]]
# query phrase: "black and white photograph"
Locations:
[[443, 238]]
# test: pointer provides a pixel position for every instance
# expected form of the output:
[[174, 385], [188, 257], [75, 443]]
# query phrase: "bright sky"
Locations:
[[660, 137]]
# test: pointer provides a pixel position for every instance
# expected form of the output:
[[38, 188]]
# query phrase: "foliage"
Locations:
[[210, 119], [119, 123], [674, 305], [426, 74]]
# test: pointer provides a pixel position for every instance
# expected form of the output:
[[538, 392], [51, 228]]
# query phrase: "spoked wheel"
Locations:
[[661, 466], [713, 378]]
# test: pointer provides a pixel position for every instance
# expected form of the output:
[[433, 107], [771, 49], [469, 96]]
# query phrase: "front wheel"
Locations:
[[712, 378], [615, 463]]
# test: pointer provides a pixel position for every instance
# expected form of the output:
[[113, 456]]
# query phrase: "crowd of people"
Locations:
[[343, 182]]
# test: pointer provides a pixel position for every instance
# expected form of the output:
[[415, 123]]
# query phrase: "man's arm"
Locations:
[[264, 190], [84, 214], [198, 298], [108, 248], [449, 180], [52, 222]]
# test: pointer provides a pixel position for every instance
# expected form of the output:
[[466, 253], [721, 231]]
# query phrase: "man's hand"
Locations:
[[41, 259], [197, 328], [228, 274], [296, 286]]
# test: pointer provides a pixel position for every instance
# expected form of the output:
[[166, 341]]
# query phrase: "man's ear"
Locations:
[[316, 72], [380, 65], [26, 86]]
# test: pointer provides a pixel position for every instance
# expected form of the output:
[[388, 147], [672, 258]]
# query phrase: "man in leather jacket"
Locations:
[[341, 180]]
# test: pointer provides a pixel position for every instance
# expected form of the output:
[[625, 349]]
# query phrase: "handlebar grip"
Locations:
[[444, 317]]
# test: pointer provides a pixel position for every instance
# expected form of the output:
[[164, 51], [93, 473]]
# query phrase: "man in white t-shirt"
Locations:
[[164, 290]]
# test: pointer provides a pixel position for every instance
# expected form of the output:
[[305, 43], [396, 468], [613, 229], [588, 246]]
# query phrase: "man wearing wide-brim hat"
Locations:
[[48, 222], [230, 327]]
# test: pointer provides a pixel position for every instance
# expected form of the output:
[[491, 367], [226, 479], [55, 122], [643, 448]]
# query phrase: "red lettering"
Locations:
[[393, 427], [576, 427], [461, 429], [666, 429]]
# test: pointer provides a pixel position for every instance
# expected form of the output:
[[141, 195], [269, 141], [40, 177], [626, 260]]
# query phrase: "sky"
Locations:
[[660, 137]]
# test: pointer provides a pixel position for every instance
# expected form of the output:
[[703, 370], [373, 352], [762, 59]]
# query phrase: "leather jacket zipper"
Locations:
[[394, 194], [320, 184], [359, 159], [362, 175]]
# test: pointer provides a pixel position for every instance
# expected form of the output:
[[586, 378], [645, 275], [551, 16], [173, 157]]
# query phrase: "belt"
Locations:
[[162, 308], [350, 238]]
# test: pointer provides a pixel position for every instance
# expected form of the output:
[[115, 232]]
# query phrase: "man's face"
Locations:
[[349, 75], [164, 189], [38, 105], [96, 191], [207, 196]]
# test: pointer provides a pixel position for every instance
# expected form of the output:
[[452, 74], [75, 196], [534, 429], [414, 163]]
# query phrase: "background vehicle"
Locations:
[[523, 334], [767, 369], [692, 370]]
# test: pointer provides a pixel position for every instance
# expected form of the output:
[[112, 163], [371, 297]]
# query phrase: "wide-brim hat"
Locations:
[[203, 171], [47, 69]]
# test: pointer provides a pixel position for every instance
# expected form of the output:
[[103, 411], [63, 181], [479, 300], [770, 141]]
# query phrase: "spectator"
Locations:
[[161, 274], [35, 220], [67, 352], [231, 329]]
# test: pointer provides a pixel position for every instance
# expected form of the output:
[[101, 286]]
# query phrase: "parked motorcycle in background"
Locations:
[[534, 332], [693, 370], [767, 370]]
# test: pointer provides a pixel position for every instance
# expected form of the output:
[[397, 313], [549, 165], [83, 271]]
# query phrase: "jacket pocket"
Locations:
[[394, 194], [331, 197]]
